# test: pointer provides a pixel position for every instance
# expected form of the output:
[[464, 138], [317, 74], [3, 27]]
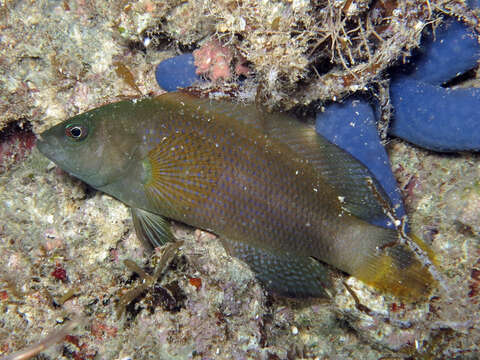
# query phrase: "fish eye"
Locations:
[[76, 132]]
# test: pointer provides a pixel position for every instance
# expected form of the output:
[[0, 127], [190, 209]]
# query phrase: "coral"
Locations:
[[59, 273], [330, 48], [54, 56], [213, 60], [148, 281], [57, 59]]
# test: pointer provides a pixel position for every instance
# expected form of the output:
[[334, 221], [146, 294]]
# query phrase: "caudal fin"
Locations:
[[393, 267]]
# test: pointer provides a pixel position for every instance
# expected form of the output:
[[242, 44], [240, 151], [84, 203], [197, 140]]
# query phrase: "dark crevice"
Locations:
[[16, 141]]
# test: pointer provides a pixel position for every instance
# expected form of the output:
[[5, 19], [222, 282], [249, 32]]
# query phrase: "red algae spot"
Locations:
[[83, 353], [16, 142], [397, 307], [59, 273], [4, 349], [72, 340], [3, 295], [213, 60], [475, 282], [197, 282], [114, 255], [100, 330]]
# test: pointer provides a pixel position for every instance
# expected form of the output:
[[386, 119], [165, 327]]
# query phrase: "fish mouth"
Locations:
[[52, 149], [45, 147]]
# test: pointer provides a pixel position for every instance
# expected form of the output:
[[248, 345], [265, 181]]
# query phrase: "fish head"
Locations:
[[97, 146]]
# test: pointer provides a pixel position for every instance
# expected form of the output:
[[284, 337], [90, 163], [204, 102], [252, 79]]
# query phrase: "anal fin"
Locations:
[[152, 229], [285, 274]]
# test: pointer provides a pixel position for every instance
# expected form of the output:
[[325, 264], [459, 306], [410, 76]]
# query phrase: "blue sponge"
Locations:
[[436, 118], [453, 50], [431, 116], [473, 4], [176, 72]]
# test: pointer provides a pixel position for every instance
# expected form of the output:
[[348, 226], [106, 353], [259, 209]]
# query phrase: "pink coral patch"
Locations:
[[213, 60]]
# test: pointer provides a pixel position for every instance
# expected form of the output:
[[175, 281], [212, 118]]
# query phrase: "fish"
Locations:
[[280, 197]]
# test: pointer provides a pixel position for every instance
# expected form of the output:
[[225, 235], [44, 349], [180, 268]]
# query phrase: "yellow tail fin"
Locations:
[[396, 269]]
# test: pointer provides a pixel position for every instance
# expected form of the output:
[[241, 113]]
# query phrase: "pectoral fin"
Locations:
[[286, 274], [152, 229]]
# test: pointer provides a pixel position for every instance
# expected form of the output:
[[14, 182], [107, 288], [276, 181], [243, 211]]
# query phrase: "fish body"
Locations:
[[278, 195]]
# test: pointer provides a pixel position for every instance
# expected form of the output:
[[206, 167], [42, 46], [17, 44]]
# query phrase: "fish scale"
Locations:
[[281, 198], [238, 192], [231, 199]]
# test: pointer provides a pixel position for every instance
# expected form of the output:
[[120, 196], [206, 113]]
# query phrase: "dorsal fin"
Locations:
[[360, 192]]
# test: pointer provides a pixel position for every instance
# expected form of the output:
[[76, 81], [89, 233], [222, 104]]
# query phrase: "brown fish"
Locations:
[[281, 198]]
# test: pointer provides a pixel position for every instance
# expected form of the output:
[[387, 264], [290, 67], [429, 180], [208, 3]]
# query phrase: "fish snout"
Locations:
[[47, 145]]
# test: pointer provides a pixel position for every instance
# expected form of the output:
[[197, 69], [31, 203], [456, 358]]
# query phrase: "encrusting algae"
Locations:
[[280, 197]]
